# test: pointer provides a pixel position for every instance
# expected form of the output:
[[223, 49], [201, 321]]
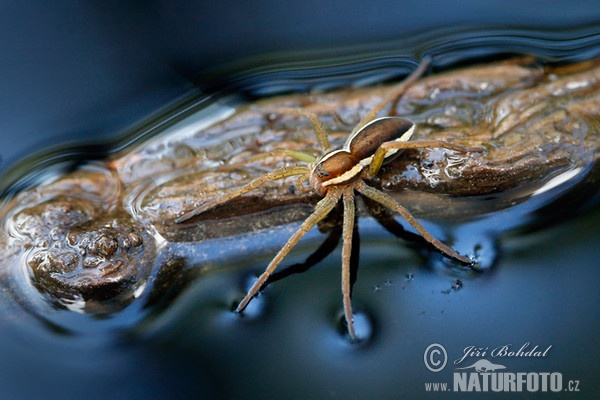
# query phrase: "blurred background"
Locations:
[[76, 69]]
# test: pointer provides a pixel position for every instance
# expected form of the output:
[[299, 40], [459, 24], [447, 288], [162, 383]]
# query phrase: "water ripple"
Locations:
[[362, 65]]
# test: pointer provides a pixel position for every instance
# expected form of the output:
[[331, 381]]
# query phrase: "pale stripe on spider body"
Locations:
[[337, 174]]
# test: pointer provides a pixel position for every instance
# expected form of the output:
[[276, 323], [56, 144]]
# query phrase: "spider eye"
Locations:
[[337, 167], [320, 171]]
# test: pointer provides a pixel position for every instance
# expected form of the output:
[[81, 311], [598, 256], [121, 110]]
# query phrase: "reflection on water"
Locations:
[[361, 66], [163, 306]]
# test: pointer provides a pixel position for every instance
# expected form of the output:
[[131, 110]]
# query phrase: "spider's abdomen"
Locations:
[[364, 143]]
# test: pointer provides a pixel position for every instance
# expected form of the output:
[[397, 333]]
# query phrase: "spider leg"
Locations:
[[302, 179], [271, 176], [314, 120], [298, 155], [393, 94], [325, 248], [348, 228], [322, 208], [381, 152], [392, 204]]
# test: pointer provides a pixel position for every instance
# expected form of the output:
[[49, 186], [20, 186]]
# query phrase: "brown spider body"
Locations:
[[336, 175], [346, 164]]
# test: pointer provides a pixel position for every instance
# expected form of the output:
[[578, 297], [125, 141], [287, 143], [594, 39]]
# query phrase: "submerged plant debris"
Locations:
[[92, 236]]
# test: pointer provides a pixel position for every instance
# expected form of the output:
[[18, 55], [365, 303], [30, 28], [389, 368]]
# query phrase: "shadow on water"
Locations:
[[186, 341]]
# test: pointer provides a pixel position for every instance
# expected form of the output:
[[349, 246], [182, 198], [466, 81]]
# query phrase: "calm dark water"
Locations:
[[77, 77]]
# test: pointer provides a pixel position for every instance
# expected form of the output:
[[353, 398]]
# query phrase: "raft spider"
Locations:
[[337, 174]]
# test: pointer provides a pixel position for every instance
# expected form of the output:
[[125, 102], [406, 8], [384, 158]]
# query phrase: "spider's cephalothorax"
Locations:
[[337, 175]]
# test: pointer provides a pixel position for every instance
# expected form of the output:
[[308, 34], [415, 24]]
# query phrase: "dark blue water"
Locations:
[[84, 72], [85, 80]]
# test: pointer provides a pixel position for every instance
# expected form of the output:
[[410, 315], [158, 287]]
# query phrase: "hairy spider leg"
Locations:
[[393, 94], [392, 204], [317, 125], [280, 173], [348, 228], [322, 209], [381, 152], [298, 155]]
